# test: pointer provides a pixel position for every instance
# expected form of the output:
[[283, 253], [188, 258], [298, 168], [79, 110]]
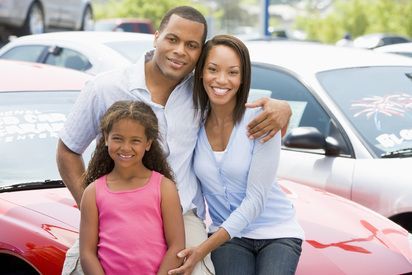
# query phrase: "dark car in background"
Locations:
[[20, 17]]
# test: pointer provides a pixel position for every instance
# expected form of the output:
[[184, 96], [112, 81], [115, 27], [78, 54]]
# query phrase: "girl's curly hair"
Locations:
[[101, 163]]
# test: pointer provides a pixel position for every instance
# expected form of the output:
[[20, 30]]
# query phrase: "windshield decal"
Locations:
[[389, 105], [29, 124], [392, 140]]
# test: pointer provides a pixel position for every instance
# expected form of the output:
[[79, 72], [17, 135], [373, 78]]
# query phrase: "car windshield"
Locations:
[[29, 126], [132, 50], [378, 103]]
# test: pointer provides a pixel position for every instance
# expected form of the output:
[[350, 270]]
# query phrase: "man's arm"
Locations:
[[71, 168], [274, 117]]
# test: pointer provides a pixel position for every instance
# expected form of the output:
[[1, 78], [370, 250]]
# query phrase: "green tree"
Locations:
[[358, 17], [153, 10]]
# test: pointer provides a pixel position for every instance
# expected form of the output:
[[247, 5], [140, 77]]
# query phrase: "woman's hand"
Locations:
[[193, 256], [274, 117]]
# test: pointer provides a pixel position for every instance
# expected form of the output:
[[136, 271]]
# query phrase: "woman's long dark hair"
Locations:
[[200, 98], [154, 159]]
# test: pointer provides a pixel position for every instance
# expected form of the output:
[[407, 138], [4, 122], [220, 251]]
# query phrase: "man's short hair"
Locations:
[[188, 13]]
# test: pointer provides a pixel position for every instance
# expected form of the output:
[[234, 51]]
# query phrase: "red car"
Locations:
[[39, 219]]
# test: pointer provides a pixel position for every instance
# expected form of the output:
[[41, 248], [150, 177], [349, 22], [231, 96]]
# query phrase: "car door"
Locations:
[[51, 9], [70, 12], [310, 167]]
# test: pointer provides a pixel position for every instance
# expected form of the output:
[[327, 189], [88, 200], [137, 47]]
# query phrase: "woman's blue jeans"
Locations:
[[243, 256]]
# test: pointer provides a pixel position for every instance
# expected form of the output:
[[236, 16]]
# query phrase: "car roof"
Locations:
[[308, 57], [402, 47], [81, 36], [126, 19], [24, 76]]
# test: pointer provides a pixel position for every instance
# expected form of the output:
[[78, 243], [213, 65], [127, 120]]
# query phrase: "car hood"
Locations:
[[55, 204], [342, 237], [345, 237]]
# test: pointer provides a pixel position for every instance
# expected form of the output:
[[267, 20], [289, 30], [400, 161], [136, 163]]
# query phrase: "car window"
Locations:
[[306, 110], [393, 40], [281, 85], [29, 127], [407, 54], [29, 53], [127, 27], [69, 59], [378, 103], [144, 28]]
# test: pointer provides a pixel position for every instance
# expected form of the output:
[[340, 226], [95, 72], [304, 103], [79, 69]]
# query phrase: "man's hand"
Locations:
[[274, 117], [192, 258]]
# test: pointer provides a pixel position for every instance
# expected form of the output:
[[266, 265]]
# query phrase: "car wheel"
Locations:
[[87, 20], [34, 21]]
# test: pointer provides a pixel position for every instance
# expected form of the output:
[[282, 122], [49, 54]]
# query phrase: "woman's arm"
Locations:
[[261, 177], [172, 224], [274, 117], [89, 232]]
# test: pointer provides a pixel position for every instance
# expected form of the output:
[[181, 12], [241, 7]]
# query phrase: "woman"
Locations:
[[254, 229]]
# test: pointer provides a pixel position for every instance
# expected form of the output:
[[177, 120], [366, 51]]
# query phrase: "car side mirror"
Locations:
[[55, 50], [311, 138]]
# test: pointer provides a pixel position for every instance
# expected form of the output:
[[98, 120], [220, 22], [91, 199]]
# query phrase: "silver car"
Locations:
[[91, 52], [351, 129], [21, 17]]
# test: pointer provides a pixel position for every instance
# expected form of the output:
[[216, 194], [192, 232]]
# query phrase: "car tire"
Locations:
[[87, 19], [34, 22]]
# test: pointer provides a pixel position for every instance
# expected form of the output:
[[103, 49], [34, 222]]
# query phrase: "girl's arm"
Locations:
[[172, 224], [89, 232]]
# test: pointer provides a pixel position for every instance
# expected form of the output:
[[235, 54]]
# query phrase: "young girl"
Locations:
[[131, 221], [254, 229]]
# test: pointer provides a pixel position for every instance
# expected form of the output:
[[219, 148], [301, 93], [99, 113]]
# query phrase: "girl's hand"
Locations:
[[192, 258], [274, 117]]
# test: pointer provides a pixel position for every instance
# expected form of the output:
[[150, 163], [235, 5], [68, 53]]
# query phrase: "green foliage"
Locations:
[[358, 17], [154, 9]]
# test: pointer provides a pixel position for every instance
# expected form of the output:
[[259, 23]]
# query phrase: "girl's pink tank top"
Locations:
[[131, 237]]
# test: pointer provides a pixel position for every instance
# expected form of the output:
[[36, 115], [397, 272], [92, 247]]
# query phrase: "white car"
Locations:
[[404, 49], [91, 52], [351, 128], [37, 16], [376, 40]]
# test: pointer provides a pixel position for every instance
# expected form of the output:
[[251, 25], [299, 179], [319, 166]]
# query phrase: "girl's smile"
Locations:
[[127, 143]]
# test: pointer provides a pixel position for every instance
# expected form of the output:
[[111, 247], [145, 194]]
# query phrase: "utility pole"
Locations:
[[265, 18]]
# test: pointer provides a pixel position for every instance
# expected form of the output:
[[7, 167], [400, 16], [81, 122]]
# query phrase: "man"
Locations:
[[163, 79]]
